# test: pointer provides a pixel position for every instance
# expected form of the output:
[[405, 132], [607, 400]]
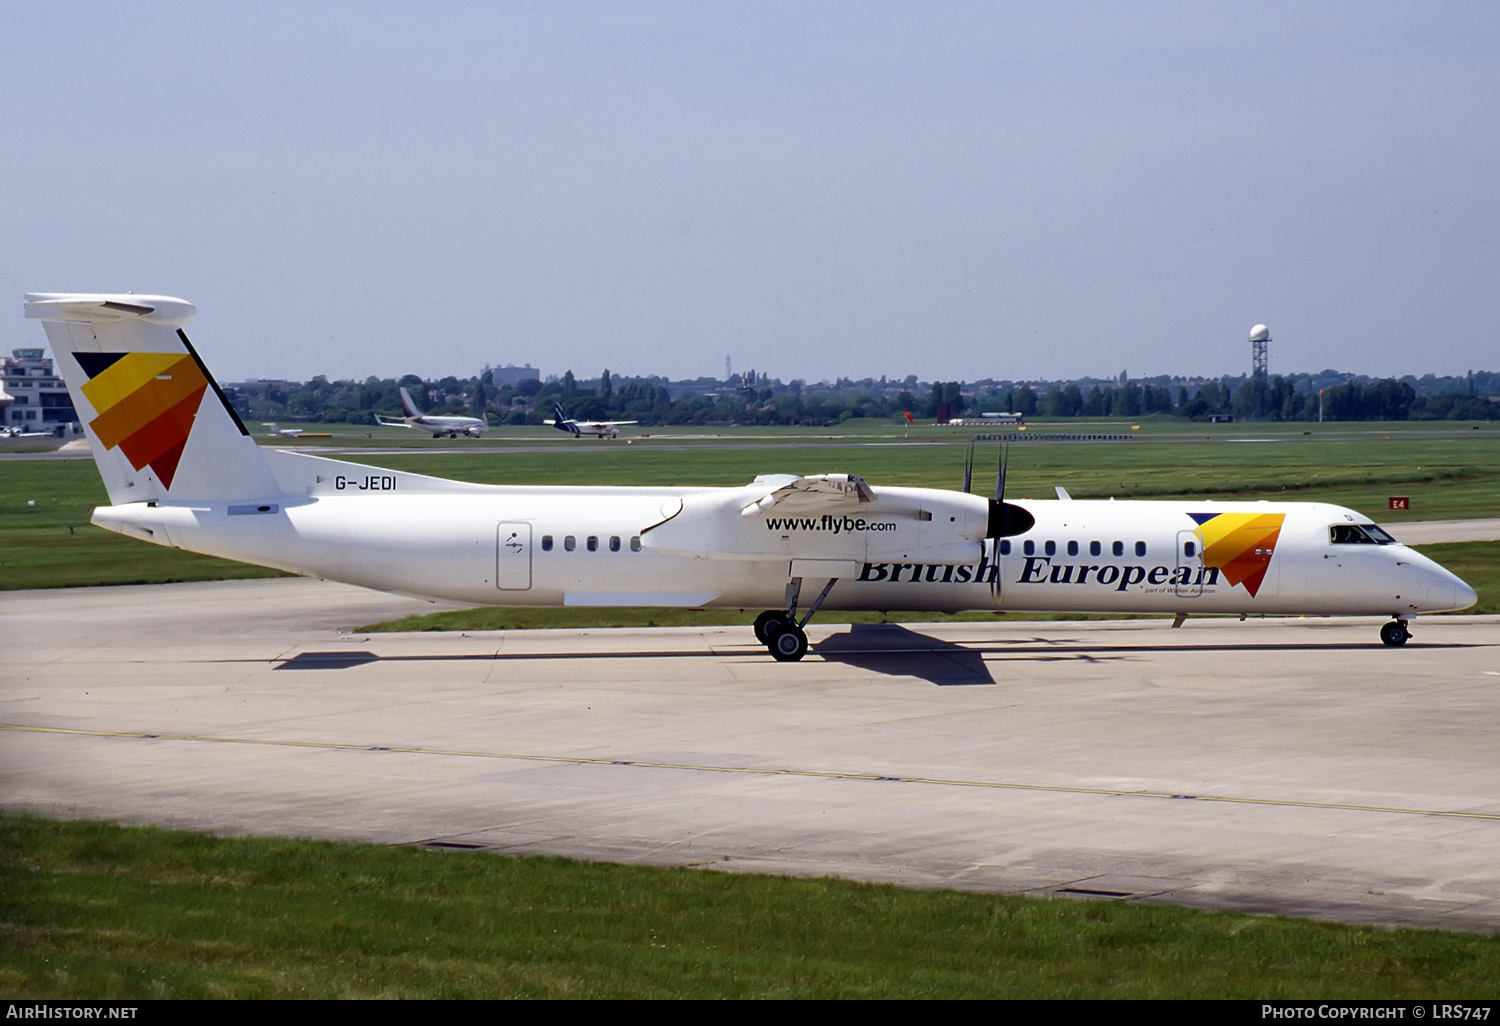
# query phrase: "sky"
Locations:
[[812, 189]]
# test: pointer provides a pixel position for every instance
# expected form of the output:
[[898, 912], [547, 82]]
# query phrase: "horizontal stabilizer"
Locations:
[[102, 307]]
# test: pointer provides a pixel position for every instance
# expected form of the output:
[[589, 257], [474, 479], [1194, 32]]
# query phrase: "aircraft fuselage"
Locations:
[[910, 549]]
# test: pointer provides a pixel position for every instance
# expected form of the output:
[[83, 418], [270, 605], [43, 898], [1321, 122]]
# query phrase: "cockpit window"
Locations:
[[1349, 534], [1380, 536]]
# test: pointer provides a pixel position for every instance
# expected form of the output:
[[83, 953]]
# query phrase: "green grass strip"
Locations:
[[89, 910]]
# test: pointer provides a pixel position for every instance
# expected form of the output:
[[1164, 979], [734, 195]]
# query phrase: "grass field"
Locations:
[[1446, 474], [95, 911], [46, 540]]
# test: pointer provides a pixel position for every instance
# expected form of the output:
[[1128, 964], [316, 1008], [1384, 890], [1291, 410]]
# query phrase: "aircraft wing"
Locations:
[[821, 490]]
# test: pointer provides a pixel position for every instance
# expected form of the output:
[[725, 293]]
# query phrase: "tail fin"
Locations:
[[561, 421], [157, 422], [407, 405]]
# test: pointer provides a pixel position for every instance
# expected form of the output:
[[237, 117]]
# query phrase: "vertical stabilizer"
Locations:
[[157, 422], [407, 405]]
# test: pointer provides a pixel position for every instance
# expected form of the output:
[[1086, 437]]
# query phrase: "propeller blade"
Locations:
[[969, 468], [1006, 519]]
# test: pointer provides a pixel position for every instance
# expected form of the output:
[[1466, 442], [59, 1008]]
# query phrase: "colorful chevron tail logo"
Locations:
[[145, 405], [1240, 544]]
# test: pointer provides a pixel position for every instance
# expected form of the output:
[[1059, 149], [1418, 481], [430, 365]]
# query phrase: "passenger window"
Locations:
[[1189, 549], [570, 543], [593, 543], [1072, 548], [635, 544], [1118, 548], [1004, 546], [1029, 548], [1050, 548], [546, 543], [1094, 549], [614, 543], [1140, 548]]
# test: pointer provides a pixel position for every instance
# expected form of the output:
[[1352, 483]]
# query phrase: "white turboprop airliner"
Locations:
[[435, 426], [181, 470], [579, 428]]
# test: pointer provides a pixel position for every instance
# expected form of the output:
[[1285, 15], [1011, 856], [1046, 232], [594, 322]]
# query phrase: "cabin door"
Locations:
[[513, 556], [1190, 557]]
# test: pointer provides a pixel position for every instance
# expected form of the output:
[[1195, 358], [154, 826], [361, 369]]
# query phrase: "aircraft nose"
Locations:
[[1447, 592], [1467, 596]]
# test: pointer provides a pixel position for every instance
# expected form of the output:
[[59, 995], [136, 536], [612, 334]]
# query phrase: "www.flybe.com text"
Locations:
[[831, 524]]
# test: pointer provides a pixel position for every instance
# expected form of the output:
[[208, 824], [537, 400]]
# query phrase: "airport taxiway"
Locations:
[[1286, 766]]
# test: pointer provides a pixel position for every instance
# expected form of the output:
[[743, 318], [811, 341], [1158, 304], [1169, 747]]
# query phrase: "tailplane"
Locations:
[[157, 422]]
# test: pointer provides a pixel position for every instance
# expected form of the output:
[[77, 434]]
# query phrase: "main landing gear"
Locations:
[[780, 630], [1395, 633]]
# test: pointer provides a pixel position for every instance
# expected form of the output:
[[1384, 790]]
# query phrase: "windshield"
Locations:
[[1358, 534]]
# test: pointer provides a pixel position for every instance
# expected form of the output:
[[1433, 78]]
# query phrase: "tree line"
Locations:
[[753, 398]]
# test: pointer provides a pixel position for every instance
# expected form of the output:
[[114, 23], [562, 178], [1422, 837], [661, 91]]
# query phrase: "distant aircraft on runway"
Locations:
[[181, 470], [281, 432], [435, 426], [579, 428]]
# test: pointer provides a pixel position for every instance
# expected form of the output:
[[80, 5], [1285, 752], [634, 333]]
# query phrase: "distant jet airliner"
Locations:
[[181, 470], [435, 426]]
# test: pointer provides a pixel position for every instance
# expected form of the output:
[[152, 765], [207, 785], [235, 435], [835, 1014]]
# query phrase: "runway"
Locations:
[[1285, 766]]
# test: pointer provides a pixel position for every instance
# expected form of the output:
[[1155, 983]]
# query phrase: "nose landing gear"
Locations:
[[1396, 633]]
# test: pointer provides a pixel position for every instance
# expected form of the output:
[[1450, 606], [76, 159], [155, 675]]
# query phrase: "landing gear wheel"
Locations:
[[1395, 633], [789, 644], [768, 623]]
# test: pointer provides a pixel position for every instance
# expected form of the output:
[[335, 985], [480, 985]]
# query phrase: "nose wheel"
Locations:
[[1395, 634]]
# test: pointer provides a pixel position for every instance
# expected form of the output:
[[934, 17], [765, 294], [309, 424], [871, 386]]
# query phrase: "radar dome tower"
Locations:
[[1260, 335]]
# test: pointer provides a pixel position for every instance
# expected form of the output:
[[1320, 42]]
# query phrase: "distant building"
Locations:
[[32, 397], [513, 375]]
